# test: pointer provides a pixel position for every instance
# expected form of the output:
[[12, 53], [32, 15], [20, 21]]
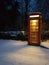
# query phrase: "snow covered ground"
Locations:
[[14, 52]]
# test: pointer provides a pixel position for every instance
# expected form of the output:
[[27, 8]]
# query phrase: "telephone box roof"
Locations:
[[36, 13]]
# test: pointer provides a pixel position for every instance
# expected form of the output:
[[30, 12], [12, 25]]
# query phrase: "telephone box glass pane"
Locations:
[[34, 31]]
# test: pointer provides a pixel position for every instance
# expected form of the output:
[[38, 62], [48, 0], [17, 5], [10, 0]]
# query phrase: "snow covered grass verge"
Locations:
[[14, 52]]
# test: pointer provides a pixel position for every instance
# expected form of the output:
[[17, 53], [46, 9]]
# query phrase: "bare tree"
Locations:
[[8, 14], [26, 12]]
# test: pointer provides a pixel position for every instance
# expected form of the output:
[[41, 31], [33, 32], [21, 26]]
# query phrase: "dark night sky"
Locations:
[[11, 12]]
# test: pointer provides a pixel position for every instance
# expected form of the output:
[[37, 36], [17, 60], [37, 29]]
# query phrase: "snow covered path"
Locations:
[[14, 52]]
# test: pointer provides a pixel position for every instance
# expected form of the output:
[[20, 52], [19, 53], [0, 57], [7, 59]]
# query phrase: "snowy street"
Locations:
[[14, 52]]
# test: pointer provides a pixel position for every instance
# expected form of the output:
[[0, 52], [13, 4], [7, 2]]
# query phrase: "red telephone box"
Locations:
[[34, 28]]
